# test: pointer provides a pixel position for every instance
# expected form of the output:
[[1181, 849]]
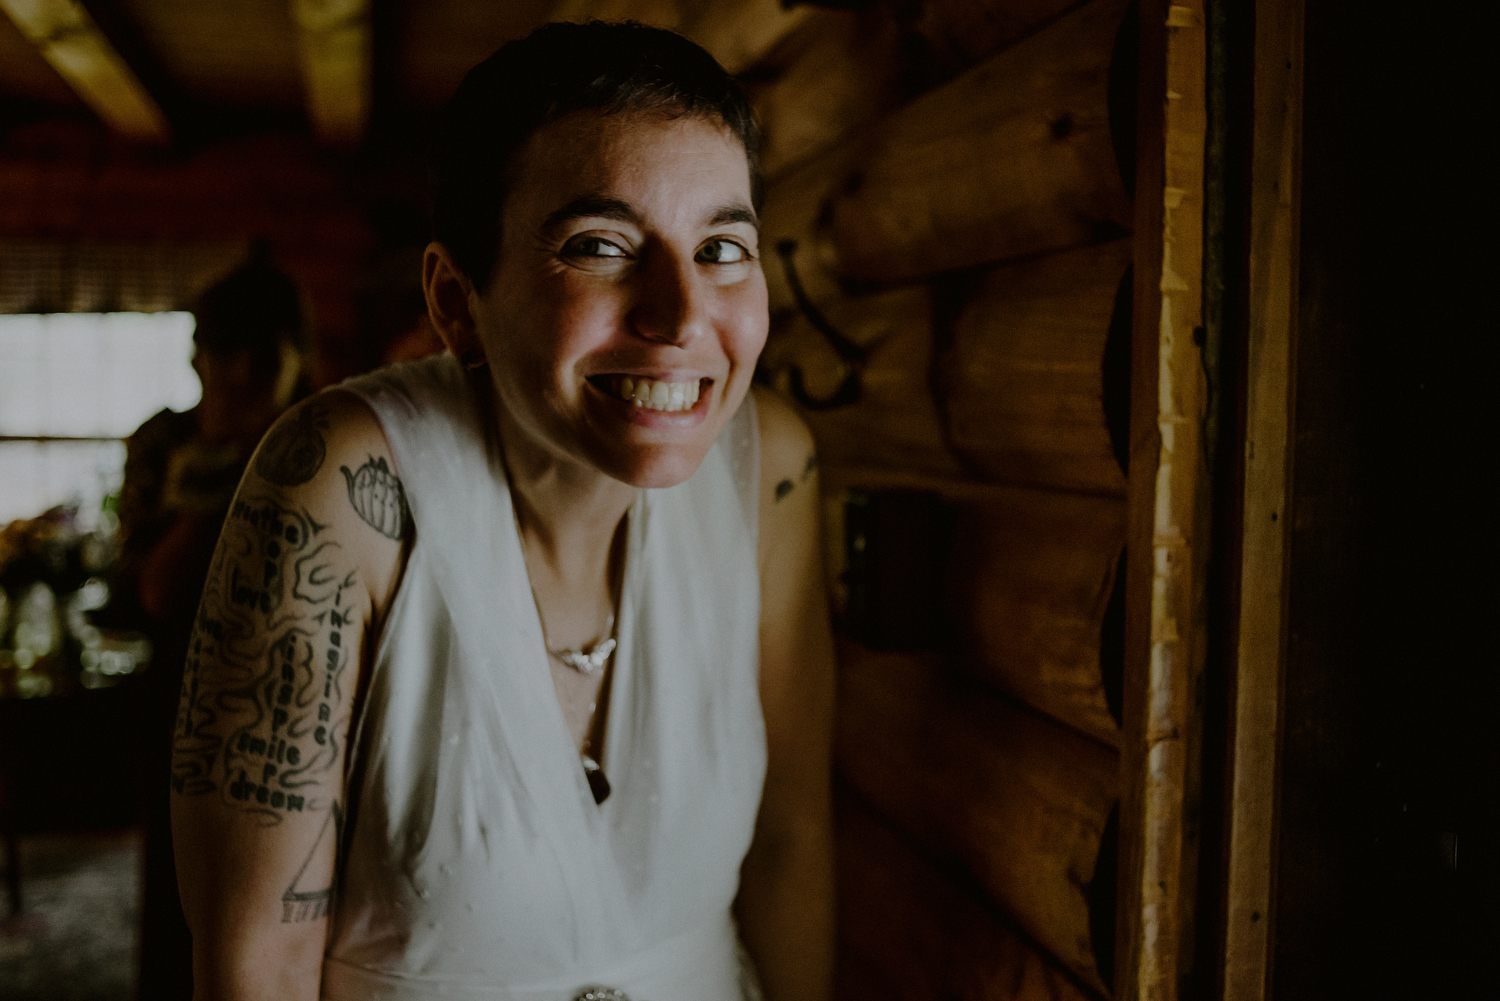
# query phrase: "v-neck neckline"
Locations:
[[619, 677]]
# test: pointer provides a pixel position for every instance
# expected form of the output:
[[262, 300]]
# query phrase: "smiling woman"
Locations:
[[513, 675]]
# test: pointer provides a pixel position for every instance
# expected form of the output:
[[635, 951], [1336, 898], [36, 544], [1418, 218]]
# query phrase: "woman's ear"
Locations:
[[450, 297]]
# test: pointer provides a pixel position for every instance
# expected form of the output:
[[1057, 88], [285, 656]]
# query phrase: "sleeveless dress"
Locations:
[[475, 861]]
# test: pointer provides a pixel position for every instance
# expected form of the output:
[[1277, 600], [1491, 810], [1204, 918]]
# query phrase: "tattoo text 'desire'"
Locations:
[[263, 681]]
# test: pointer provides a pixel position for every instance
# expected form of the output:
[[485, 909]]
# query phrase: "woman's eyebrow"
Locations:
[[732, 213], [592, 207]]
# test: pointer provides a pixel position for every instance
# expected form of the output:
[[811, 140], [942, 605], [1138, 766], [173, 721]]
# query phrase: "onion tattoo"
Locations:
[[294, 450], [378, 497]]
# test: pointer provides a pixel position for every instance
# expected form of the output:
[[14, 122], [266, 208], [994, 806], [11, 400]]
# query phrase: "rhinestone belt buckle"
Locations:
[[601, 994]]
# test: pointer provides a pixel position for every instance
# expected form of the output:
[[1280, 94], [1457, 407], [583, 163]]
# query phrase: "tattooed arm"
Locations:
[[306, 564], [785, 903]]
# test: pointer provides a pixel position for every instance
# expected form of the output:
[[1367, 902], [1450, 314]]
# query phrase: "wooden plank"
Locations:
[[1275, 189], [1168, 496], [72, 43], [909, 932], [738, 33], [1029, 577], [1017, 800], [1013, 158], [895, 423], [334, 46], [1023, 380], [960, 33], [839, 71], [26, 76]]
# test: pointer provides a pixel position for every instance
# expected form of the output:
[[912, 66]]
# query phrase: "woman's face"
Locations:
[[627, 306]]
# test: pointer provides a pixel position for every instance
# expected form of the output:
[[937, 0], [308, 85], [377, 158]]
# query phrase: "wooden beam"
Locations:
[[1275, 188], [1169, 530], [735, 32], [333, 43], [73, 44]]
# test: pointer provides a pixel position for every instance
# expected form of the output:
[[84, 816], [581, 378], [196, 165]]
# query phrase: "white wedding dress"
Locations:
[[475, 861]]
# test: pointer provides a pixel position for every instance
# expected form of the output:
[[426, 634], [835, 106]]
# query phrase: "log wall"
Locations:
[[945, 240]]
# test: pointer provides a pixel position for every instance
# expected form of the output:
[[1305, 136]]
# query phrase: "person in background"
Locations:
[[181, 471]]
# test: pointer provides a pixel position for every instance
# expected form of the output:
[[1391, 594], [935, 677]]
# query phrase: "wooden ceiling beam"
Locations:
[[67, 37], [736, 32], [334, 46]]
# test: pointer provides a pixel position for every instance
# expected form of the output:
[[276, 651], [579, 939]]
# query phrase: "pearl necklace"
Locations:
[[588, 661]]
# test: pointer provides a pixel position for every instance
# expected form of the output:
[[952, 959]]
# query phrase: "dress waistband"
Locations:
[[700, 965]]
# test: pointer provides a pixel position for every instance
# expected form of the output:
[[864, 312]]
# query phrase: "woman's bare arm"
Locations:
[[308, 559], [785, 904]]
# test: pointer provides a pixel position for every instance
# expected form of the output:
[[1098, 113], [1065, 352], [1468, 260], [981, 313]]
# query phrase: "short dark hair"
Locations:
[[560, 68]]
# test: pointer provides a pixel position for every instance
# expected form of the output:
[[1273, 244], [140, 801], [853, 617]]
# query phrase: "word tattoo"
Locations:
[[294, 451], [299, 904], [787, 486], [378, 497], [263, 677]]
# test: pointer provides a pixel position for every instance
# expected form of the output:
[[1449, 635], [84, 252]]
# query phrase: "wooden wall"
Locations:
[[946, 243]]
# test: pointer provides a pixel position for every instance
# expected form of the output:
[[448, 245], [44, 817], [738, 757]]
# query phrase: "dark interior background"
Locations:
[[1387, 829]]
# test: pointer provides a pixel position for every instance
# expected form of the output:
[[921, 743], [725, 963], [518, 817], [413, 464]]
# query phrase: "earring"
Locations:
[[472, 360]]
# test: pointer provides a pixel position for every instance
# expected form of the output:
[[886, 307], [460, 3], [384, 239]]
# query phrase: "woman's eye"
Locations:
[[722, 252], [592, 246]]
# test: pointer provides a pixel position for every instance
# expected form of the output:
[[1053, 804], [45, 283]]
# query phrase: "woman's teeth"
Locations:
[[658, 395]]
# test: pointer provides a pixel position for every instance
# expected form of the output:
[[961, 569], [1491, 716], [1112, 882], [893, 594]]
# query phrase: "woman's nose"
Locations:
[[671, 304]]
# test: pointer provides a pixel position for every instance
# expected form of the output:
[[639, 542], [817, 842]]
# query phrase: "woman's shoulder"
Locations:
[[436, 376], [788, 454]]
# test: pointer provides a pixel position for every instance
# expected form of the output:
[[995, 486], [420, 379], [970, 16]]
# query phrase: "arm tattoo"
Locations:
[[257, 727], [378, 497], [299, 903], [787, 486], [294, 451]]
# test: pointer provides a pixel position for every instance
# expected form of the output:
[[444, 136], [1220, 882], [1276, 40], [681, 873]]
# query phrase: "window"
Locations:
[[73, 386]]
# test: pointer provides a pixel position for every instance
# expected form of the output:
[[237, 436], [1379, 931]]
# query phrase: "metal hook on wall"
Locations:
[[852, 355]]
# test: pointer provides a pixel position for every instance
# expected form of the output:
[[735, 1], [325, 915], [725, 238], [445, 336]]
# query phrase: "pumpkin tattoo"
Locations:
[[378, 497]]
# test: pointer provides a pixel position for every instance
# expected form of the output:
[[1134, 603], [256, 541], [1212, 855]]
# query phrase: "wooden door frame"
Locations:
[[1165, 922]]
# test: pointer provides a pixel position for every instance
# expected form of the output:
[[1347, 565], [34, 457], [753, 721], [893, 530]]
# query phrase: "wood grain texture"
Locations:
[[908, 931], [839, 71], [1029, 577], [1275, 221], [740, 32], [896, 424], [1011, 159], [1023, 379], [960, 33], [1169, 528], [1015, 799], [737, 33]]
